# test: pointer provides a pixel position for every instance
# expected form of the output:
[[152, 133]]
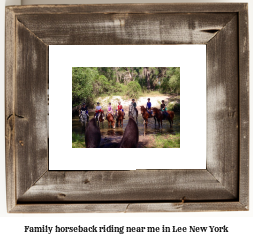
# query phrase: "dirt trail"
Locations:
[[142, 101]]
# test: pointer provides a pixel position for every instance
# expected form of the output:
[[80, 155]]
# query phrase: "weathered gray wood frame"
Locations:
[[223, 186]]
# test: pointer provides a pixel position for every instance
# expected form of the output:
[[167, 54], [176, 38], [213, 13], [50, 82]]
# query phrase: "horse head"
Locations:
[[130, 137], [92, 134], [143, 109], [111, 119], [101, 116], [155, 112], [120, 113]]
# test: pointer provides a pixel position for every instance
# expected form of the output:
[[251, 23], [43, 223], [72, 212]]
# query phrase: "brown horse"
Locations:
[[119, 118], [110, 119], [160, 116], [157, 114], [171, 113], [100, 117], [145, 115]]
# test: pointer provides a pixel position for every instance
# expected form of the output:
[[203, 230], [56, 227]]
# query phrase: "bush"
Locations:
[[133, 89], [176, 107]]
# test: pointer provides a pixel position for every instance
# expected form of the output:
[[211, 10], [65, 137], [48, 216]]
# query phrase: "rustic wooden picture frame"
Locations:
[[222, 186]]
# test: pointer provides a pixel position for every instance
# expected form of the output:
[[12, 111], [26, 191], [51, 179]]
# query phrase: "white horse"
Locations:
[[133, 113], [83, 117]]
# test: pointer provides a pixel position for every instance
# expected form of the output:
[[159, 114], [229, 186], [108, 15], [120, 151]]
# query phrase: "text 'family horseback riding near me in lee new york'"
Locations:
[[124, 229]]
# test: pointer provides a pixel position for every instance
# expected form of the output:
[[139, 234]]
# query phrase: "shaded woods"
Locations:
[[132, 82]]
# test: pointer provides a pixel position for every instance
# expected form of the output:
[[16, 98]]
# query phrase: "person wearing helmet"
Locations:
[[134, 105], [98, 109], [120, 108], [148, 107], [84, 108], [109, 109], [163, 108]]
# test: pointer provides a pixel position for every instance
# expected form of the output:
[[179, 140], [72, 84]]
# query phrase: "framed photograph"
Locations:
[[51, 49]]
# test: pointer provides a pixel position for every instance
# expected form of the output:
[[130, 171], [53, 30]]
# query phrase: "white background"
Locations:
[[240, 223], [192, 62]]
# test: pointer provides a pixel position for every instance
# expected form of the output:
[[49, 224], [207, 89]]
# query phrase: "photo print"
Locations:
[[139, 104]]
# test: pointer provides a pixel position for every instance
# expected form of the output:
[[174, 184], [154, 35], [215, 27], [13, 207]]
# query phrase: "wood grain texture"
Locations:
[[125, 29], [223, 186], [140, 185], [154, 8], [222, 107], [244, 106], [9, 109], [129, 207], [30, 109]]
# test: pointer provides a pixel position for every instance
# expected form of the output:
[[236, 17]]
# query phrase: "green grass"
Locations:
[[78, 141], [167, 141]]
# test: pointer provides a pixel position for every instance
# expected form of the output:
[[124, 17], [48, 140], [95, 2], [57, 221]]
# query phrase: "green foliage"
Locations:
[[78, 141], [82, 84], [171, 83], [89, 83], [176, 107], [133, 89]]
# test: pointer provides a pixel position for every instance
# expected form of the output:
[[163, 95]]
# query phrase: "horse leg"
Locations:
[[170, 122]]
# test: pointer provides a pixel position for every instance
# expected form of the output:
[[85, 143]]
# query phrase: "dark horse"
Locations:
[[92, 134], [110, 119], [160, 116], [145, 115], [172, 114], [100, 117], [130, 137], [119, 118]]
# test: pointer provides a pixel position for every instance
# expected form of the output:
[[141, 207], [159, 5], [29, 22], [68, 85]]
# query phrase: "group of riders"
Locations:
[[99, 110]]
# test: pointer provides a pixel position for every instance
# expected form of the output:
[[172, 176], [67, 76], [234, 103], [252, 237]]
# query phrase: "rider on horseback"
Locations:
[[163, 109], [120, 108], [133, 103], [98, 110], [84, 108], [109, 110], [148, 107]]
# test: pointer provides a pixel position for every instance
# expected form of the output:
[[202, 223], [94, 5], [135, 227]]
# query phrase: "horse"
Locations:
[[160, 116], [133, 112], [145, 115], [130, 137], [119, 118], [83, 118], [92, 134], [110, 119], [171, 114], [76, 111], [100, 117], [157, 114]]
